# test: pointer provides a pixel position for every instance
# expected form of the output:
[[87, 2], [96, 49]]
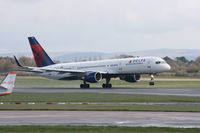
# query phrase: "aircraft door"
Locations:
[[149, 66], [120, 67]]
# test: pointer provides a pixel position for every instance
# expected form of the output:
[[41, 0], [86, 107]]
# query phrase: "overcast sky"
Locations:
[[99, 25]]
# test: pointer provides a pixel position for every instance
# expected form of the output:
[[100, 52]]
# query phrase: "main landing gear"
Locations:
[[84, 85], [107, 84], [152, 80]]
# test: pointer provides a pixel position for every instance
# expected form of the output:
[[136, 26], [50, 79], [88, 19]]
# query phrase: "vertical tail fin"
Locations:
[[40, 56], [9, 83]]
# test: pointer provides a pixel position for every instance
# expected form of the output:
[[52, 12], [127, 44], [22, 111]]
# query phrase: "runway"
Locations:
[[147, 91], [117, 118], [104, 103], [112, 118]]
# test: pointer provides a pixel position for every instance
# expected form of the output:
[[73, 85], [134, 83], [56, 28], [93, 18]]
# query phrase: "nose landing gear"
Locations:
[[151, 83]]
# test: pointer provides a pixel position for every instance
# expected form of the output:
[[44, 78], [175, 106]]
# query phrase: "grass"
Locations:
[[34, 81], [93, 129], [93, 97], [96, 97], [86, 107]]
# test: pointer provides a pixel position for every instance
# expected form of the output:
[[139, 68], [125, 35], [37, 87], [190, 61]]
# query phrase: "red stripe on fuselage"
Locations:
[[5, 93], [12, 73]]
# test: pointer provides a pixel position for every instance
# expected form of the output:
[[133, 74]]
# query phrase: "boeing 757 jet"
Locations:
[[127, 69], [7, 84]]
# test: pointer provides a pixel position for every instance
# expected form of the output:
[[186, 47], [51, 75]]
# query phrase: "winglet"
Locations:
[[8, 83], [17, 62]]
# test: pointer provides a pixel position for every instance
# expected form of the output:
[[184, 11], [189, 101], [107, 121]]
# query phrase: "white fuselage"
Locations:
[[136, 65]]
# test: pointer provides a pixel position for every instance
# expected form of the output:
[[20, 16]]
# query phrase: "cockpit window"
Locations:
[[160, 62]]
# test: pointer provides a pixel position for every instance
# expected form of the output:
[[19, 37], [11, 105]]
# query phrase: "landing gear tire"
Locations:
[[107, 85], [84, 86], [151, 83]]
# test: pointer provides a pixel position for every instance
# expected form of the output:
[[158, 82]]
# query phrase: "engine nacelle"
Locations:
[[131, 78], [93, 77]]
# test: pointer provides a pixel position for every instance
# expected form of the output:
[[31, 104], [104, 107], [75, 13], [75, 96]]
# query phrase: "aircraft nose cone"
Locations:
[[168, 67]]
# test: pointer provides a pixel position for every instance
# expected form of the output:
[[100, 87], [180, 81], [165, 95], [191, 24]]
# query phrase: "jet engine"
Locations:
[[131, 78], [93, 77]]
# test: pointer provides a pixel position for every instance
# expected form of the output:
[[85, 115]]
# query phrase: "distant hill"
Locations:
[[190, 54], [78, 56]]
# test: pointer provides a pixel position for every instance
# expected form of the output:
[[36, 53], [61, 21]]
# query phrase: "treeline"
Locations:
[[180, 66], [8, 64]]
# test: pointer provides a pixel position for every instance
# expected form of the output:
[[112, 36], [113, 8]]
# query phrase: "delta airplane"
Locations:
[[127, 69], [8, 84]]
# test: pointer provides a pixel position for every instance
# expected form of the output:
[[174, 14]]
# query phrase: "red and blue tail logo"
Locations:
[[40, 56]]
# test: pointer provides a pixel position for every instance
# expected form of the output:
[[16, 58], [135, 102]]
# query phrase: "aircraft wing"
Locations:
[[75, 71], [43, 69], [62, 70]]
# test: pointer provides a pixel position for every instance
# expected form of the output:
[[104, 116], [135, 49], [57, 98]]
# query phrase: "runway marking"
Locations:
[[122, 122]]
